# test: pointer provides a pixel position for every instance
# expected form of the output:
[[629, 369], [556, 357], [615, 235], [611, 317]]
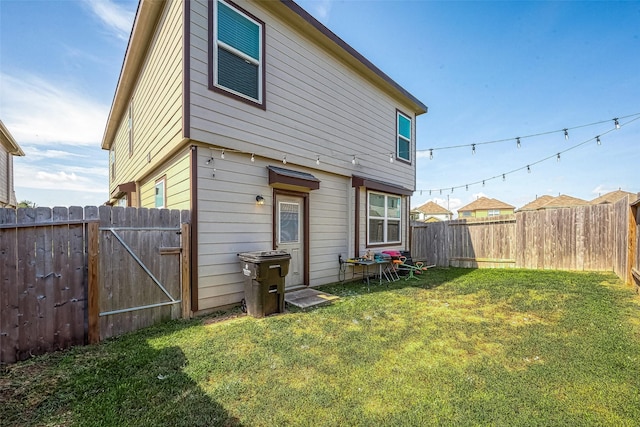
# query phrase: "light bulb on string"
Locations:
[[353, 161], [318, 160], [616, 123], [253, 158], [483, 182], [518, 142], [284, 160], [566, 134], [473, 149], [431, 154], [528, 169], [558, 157], [222, 155], [504, 178], [452, 190], [598, 140], [390, 157], [466, 187]]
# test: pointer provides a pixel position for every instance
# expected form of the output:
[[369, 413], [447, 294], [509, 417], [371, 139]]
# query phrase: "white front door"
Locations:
[[290, 236]]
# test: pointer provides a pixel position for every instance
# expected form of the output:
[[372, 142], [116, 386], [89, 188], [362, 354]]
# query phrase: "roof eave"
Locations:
[[8, 142], [144, 25]]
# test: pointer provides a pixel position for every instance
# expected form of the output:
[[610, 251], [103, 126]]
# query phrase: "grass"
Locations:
[[457, 347]]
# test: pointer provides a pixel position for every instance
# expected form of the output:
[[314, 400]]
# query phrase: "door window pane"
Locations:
[[289, 222]]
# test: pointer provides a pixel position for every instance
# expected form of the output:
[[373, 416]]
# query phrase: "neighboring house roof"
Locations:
[[564, 201], [537, 203], [432, 208], [149, 12], [613, 197], [485, 203], [8, 142]]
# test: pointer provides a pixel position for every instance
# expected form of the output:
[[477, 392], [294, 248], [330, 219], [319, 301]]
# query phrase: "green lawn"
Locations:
[[458, 347]]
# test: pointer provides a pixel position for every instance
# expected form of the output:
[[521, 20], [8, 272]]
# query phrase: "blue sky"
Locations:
[[489, 71]]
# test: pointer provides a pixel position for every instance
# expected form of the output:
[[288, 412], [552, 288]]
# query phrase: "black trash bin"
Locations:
[[264, 273]]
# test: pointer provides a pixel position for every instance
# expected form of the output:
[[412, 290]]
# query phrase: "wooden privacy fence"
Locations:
[[593, 238], [76, 275]]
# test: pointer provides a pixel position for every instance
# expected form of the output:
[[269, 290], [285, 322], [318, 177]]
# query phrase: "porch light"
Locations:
[[259, 200]]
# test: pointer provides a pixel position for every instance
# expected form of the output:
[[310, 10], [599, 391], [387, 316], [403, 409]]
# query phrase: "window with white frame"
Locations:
[[494, 212], [383, 218], [403, 138], [160, 193], [238, 52]]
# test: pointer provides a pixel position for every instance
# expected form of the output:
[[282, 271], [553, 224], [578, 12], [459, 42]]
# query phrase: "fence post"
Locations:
[[185, 258], [632, 244], [93, 286]]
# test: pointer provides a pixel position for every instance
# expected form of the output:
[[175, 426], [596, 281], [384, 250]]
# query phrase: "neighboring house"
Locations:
[[9, 148], [563, 201], [485, 207], [536, 204], [273, 131], [431, 212], [613, 197]]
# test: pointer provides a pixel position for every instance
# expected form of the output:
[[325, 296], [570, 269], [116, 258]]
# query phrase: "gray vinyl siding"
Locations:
[[315, 105], [157, 102], [230, 222]]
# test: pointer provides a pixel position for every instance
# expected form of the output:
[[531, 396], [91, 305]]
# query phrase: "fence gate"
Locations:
[[140, 263]]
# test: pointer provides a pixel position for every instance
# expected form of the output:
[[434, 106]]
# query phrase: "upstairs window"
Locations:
[[238, 57], [493, 212], [403, 138], [384, 218]]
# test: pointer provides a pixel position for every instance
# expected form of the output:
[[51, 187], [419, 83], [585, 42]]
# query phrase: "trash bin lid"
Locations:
[[264, 256]]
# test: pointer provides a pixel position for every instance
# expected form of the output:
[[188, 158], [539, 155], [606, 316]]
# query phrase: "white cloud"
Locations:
[[60, 181], [39, 112], [34, 153], [320, 9], [113, 16]]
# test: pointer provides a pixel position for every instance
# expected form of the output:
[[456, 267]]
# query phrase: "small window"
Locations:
[[494, 212], [403, 147], [466, 214], [237, 50], [160, 194], [384, 218]]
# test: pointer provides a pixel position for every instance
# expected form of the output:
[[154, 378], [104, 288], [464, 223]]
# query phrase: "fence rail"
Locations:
[[56, 276]]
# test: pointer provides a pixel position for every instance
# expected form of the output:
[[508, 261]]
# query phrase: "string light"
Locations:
[[318, 160], [284, 160], [558, 156], [222, 155], [473, 149], [390, 157], [466, 187], [504, 178], [565, 132], [528, 169], [518, 142], [253, 158], [598, 140], [483, 182], [353, 161]]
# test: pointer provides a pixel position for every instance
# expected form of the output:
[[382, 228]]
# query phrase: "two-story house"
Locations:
[[273, 131], [485, 207], [431, 212], [8, 148]]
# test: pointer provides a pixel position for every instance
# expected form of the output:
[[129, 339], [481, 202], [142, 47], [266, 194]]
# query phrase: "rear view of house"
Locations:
[[273, 131], [8, 148]]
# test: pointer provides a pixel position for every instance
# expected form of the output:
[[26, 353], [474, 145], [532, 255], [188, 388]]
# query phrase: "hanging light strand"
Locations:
[[527, 167]]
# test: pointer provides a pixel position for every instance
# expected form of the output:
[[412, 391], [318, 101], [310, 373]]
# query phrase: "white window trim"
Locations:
[[493, 212], [222, 45], [386, 219], [162, 182], [398, 136]]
